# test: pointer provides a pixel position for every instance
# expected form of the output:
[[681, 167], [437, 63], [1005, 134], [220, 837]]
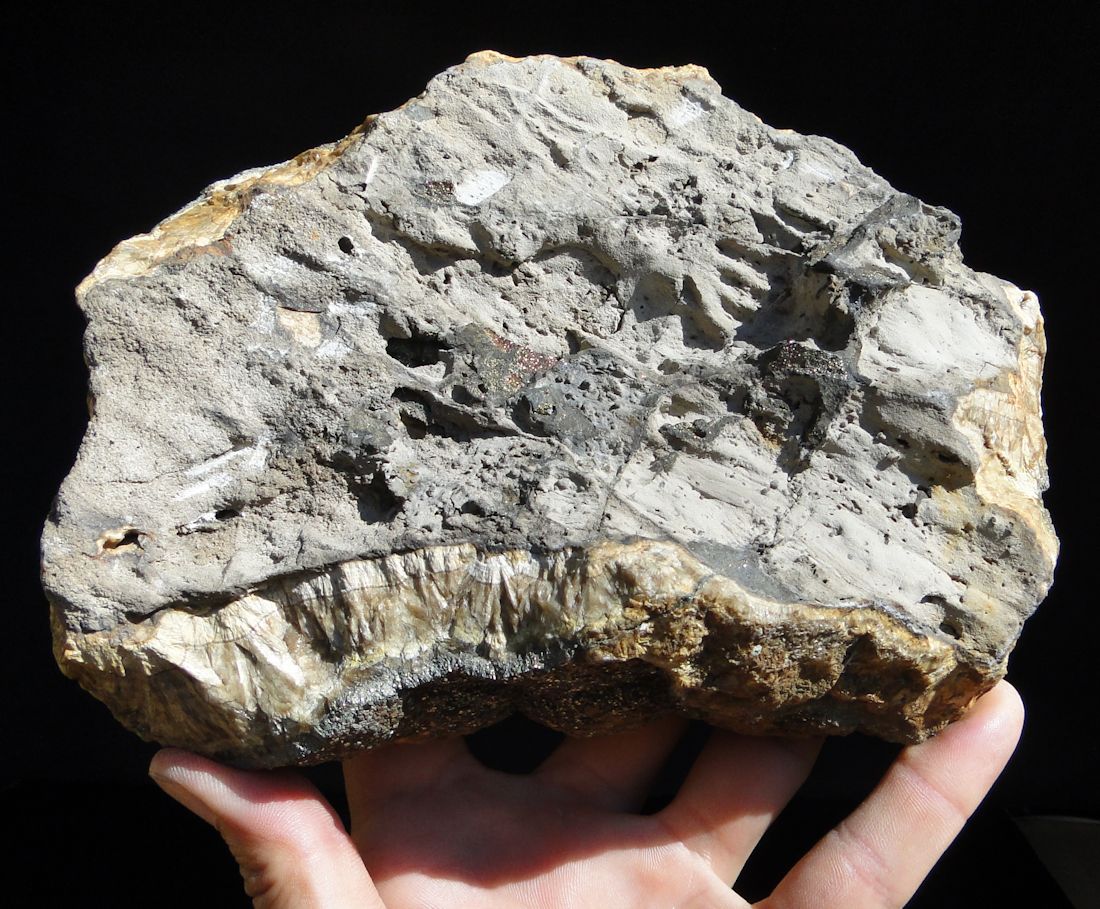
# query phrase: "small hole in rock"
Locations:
[[227, 514], [346, 246], [951, 628], [416, 351], [131, 536], [472, 507], [461, 395], [377, 502], [416, 428]]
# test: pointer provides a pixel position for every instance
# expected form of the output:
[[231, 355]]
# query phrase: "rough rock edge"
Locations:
[[200, 225], [650, 627], [1003, 419]]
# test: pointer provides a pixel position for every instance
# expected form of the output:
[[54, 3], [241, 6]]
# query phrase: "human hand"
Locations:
[[432, 827]]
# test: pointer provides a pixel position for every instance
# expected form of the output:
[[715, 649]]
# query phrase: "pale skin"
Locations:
[[432, 827]]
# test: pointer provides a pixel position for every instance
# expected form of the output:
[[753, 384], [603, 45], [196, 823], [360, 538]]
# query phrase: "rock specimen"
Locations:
[[565, 388]]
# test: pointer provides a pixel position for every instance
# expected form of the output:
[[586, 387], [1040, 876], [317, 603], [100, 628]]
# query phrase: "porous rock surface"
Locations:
[[565, 388]]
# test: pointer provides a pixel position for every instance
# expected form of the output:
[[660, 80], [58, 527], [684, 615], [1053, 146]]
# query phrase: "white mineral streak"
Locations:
[[475, 188], [513, 374]]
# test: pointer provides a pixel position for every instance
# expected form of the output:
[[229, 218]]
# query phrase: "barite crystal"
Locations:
[[565, 388]]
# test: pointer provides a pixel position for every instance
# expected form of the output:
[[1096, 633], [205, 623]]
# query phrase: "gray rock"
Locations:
[[566, 388]]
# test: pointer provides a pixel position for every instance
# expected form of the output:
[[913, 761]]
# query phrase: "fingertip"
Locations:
[[169, 769], [1010, 698], [164, 760], [176, 764], [204, 780], [996, 719], [880, 854], [1005, 699], [262, 801], [289, 842], [963, 761], [1008, 715]]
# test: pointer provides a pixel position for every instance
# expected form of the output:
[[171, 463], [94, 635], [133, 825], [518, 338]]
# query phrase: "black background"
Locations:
[[116, 120]]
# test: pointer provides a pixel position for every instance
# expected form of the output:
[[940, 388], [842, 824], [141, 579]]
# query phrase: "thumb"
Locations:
[[291, 846]]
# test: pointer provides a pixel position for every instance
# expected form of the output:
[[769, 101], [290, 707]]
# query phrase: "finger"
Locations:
[[613, 771], [291, 847], [879, 854], [393, 770], [733, 793]]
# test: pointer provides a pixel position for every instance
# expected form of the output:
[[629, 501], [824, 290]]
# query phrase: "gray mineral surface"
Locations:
[[565, 388]]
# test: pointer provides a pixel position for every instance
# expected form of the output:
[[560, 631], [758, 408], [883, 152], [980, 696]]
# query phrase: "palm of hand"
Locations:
[[432, 827], [446, 831]]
